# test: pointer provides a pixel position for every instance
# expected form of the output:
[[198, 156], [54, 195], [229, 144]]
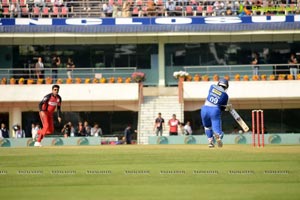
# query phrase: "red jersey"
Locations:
[[50, 102], [174, 123]]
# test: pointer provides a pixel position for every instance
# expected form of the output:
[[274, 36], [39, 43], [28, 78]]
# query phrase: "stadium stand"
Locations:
[[141, 8]]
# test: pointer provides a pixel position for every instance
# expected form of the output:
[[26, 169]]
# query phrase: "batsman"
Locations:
[[215, 103], [47, 107]]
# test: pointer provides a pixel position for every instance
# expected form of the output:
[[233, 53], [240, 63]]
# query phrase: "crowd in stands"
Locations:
[[143, 8]]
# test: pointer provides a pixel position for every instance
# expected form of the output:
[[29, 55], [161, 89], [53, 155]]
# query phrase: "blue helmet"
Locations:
[[223, 82]]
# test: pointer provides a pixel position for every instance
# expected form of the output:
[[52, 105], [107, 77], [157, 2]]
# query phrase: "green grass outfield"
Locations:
[[142, 172]]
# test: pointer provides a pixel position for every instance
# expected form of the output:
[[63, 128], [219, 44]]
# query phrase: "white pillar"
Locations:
[[15, 117], [161, 62]]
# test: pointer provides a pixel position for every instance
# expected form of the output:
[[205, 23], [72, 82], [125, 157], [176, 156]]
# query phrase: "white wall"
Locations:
[[71, 92]]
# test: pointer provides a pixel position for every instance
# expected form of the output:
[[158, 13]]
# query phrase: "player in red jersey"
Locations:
[[47, 107], [173, 124]]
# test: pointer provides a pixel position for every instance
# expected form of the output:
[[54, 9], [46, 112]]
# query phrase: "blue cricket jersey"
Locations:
[[216, 97]]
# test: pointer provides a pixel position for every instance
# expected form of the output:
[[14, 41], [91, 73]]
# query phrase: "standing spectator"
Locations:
[[115, 12], [173, 124], [4, 132], [34, 130], [126, 9], [39, 68], [255, 62], [159, 125], [107, 9], [187, 129], [70, 67], [47, 107], [215, 103], [54, 65], [293, 65], [96, 130], [19, 132], [128, 134]]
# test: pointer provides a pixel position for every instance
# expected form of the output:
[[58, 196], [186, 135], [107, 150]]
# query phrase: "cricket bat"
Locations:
[[239, 120]]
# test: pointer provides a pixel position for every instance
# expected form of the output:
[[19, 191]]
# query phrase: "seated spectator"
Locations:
[[228, 11], [151, 10], [15, 10], [40, 3], [170, 7], [59, 3], [219, 8]]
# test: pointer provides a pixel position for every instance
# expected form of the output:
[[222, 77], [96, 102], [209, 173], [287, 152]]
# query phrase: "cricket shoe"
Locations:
[[219, 140], [37, 144], [211, 145]]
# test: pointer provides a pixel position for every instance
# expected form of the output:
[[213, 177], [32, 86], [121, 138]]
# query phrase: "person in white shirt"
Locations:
[[96, 130], [188, 129]]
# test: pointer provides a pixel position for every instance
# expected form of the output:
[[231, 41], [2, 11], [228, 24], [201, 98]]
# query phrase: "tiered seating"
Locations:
[[143, 8]]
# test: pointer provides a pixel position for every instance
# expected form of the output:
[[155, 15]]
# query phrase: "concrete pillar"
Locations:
[[161, 62], [15, 117]]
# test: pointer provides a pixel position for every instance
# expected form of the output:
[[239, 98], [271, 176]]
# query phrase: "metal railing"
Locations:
[[62, 72], [232, 70]]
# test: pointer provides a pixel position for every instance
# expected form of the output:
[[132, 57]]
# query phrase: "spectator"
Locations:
[[293, 65], [96, 130], [126, 9], [255, 62], [70, 67], [80, 129], [4, 132], [219, 8], [108, 9], [128, 134], [54, 65], [188, 129], [59, 3], [39, 3], [115, 10], [39, 68], [173, 124], [151, 10], [34, 130], [19, 132], [87, 128], [170, 7], [159, 125], [68, 130], [15, 10]]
